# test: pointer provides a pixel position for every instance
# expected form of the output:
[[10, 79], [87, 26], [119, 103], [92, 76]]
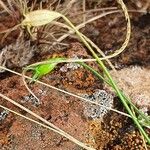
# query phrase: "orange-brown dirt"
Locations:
[[113, 132]]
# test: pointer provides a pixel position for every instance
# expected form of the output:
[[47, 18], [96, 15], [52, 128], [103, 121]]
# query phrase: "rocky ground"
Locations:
[[102, 129]]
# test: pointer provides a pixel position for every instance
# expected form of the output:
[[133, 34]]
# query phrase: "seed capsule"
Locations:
[[40, 17]]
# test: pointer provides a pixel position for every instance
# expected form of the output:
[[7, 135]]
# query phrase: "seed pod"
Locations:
[[40, 17]]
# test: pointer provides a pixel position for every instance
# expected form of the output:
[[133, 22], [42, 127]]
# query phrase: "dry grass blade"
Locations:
[[29, 90], [128, 34], [68, 7], [84, 9], [96, 10], [82, 25], [65, 92], [124, 45], [2, 4], [61, 132], [92, 43], [32, 120], [144, 142]]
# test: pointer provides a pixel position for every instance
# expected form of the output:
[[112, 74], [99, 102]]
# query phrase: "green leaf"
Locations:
[[43, 69]]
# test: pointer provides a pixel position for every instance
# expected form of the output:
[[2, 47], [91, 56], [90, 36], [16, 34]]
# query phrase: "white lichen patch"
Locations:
[[30, 99], [101, 97], [70, 66], [3, 115], [135, 82]]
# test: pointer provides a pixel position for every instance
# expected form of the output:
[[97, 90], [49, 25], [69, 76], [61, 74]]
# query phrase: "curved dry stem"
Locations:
[[27, 87], [110, 8], [82, 25], [128, 33], [94, 10], [91, 43], [120, 50]]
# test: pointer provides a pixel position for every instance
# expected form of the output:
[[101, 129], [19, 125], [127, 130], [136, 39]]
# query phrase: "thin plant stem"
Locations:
[[32, 120], [101, 64], [66, 92], [128, 100], [61, 132]]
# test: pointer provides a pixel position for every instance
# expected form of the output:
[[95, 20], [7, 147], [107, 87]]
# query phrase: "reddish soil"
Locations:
[[113, 132]]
